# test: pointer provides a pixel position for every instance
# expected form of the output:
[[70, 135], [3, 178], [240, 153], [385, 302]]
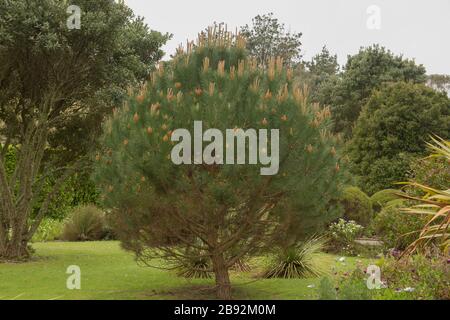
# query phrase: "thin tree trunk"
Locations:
[[223, 285]]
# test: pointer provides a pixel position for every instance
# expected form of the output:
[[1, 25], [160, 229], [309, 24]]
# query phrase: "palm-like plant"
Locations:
[[298, 261], [435, 204]]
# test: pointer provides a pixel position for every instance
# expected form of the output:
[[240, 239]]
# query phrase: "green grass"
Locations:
[[108, 272]]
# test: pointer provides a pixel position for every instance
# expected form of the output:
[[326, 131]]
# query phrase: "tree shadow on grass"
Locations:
[[195, 292]]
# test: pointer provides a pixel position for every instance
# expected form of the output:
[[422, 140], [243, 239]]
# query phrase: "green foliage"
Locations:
[[267, 38], [357, 205], [49, 230], [395, 228], [384, 198], [317, 72], [343, 235], [86, 223], [392, 130], [365, 71], [56, 87], [112, 50], [217, 83], [354, 287], [323, 65], [297, 261], [432, 203], [76, 191], [429, 278], [418, 279], [431, 171], [327, 291], [196, 267]]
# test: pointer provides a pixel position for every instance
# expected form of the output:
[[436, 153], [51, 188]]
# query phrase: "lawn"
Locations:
[[108, 272]]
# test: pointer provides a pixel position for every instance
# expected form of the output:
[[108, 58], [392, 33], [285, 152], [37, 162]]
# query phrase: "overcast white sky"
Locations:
[[417, 29]]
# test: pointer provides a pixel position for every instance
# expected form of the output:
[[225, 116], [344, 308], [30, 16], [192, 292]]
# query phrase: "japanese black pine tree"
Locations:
[[215, 210]]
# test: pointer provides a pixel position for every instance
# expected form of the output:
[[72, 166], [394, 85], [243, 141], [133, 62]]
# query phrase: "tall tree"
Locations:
[[319, 70], [323, 64], [211, 210], [364, 72], [393, 129], [267, 37], [57, 84]]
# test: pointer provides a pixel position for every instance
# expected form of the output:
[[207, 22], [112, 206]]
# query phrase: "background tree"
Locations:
[[316, 72], [267, 37], [392, 129], [369, 69], [56, 86], [218, 212]]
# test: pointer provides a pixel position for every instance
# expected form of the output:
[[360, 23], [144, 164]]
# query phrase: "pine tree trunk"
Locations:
[[223, 285]]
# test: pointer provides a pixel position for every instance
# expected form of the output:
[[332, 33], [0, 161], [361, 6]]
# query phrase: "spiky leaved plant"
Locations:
[[197, 267], [228, 211], [297, 261], [434, 205]]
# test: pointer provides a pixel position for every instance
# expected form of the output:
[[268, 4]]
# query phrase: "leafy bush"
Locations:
[[417, 278], [426, 278], [343, 235], [357, 205], [354, 287], [297, 261], [350, 286], [49, 230], [431, 171], [384, 198], [395, 228], [327, 291], [390, 132], [86, 223]]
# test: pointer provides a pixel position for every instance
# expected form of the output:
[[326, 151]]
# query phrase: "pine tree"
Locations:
[[221, 212]]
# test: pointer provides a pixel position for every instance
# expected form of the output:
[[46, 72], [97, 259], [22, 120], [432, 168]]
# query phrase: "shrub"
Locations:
[[427, 278], [357, 206], [86, 223], [417, 278], [299, 261], [49, 230], [354, 287], [350, 286], [327, 291], [343, 235], [390, 132], [431, 171], [384, 198], [395, 228]]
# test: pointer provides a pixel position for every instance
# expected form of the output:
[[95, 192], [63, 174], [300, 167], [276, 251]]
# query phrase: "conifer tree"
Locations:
[[217, 211]]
